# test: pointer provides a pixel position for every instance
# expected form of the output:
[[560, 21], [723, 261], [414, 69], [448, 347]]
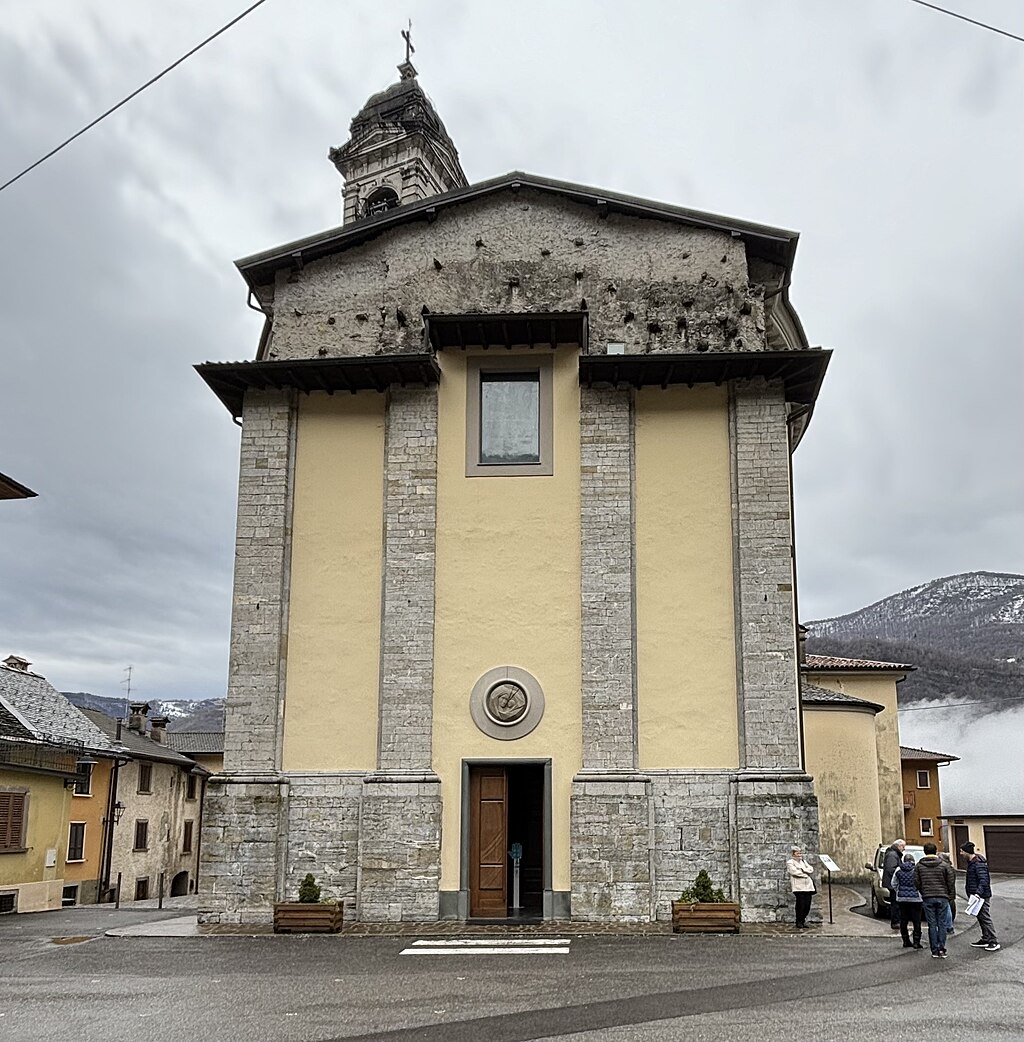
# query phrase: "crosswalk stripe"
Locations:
[[490, 946], [496, 942], [548, 950]]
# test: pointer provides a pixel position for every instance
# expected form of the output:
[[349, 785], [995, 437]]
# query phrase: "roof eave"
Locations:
[[775, 244]]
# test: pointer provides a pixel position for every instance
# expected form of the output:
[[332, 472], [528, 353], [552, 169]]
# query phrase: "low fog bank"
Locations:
[[989, 778]]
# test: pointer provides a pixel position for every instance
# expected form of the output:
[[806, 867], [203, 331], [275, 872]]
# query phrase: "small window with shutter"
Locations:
[[13, 817]]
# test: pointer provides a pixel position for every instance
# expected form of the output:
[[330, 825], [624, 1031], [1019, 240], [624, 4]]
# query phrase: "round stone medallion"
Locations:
[[507, 703]]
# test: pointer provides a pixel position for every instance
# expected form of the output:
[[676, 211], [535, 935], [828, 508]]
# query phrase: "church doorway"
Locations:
[[508, 813]]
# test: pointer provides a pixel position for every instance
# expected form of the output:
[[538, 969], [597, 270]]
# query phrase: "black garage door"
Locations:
[[1004, 847]]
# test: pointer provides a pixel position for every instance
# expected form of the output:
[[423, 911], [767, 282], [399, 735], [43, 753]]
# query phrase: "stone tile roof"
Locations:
[[11, 727], [810, 694], [47, 714], [908, 752], [821, 662], [139, 746], [210, 742]]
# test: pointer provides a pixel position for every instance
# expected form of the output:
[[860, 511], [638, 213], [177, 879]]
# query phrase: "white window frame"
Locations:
[[930, 831], [927, 779], [69, 860]]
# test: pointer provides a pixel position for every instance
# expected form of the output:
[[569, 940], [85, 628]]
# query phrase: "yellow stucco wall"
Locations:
[[880, 689], [334, 610], [39, 887], [840, 750], [507, 593], [686, 641]]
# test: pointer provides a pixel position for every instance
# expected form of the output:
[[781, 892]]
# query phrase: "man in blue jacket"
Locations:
[[978, 882]]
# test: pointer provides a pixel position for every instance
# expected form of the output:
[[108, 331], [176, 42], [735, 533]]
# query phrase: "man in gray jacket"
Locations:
[[936, 882]]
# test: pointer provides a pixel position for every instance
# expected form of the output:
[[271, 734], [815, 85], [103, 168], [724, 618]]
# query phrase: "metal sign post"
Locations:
[[516, 853], [830, 866]]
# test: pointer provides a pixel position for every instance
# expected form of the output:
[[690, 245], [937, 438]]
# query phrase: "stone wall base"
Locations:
[[610, 847], [399, 847], [774, 812], [241, 829]]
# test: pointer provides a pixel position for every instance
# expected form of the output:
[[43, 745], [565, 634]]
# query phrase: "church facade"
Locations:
[[514, 627]]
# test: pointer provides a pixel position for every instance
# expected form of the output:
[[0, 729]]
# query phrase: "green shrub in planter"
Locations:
[[702, 892], [309, 892]]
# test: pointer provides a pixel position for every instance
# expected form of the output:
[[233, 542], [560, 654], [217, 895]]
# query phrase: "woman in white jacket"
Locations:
[[801, 882]]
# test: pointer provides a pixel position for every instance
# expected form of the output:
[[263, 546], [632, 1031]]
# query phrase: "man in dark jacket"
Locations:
[[891, 861], [978, 882], [936, 882]]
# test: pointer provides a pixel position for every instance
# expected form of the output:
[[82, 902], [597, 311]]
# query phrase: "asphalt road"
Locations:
[[314, 989]]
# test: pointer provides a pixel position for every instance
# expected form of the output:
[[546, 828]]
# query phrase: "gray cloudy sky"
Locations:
[[888, 135]]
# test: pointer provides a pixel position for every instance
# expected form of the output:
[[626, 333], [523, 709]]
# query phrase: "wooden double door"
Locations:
[[506, 807]]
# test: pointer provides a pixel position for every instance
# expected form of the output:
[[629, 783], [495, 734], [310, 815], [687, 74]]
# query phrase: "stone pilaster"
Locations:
[[400, 804], [407, 625], [259, 611], [606, 521], [610, 824], [764, 576]]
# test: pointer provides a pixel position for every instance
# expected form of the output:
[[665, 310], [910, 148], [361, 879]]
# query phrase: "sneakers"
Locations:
[[943, 954], [936, 955], [980, 943], [993, 947]]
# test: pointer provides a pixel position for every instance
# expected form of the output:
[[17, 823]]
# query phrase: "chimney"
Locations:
[[159, 729], [801, 645], [137, 719], [17, 662]]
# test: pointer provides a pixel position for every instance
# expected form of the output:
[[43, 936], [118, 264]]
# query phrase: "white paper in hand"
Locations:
[[974, 903]]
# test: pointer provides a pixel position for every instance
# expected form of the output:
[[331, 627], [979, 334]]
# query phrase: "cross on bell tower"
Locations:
[[398, 150]]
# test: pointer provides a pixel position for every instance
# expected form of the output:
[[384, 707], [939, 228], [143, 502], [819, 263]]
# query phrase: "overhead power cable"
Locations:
[[973, 21], [957, 705], [134, 94]]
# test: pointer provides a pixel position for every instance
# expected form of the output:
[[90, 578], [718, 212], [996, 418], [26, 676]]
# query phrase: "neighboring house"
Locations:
[[852, 742], [159, 793], [1000, 837], [205, 747], [53, 798], [922, 802], [515, 495]]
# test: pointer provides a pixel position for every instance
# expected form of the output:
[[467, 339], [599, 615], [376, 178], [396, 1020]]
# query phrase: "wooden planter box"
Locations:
[[300, 917], [721, 917]]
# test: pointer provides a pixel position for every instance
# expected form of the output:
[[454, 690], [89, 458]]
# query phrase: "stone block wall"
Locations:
[[693, 830], [323, 834], [242, 823], [407, 623], [258, 646], [772, 815], [607, 616], [764, 576], [610, 848], [399, 849]]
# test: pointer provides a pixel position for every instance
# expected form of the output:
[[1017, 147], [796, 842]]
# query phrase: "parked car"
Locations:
[[879, 893]]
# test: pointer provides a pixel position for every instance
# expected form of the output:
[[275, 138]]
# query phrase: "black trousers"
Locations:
[[910, 913], [803, 905]]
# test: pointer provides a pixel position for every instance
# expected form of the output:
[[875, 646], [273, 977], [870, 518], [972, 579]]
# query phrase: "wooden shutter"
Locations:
[[12, 820]]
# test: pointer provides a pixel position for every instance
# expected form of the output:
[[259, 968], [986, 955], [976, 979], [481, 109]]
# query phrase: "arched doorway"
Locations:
[[179, 885]]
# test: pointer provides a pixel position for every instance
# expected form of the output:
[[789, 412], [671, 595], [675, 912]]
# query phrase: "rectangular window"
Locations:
[[926, 826], [83, 786], [186, 842], [142, 889], [8, 902], [190, 787], [509, 422], [145, 777], [13, 818], [141, 835], [76, 841], [69, 896], [924, 780]]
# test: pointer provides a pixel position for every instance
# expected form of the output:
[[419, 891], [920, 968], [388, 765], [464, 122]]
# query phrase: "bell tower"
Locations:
[[398, 150]]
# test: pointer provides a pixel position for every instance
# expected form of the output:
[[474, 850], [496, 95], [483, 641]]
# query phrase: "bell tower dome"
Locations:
[[397, 152]]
